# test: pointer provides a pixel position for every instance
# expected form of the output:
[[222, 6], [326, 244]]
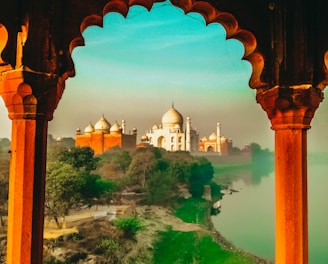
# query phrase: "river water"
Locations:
[[247, 216]]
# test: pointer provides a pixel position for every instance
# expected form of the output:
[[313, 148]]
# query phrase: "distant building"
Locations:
[[170, 134], [102, 136], [216, 143]]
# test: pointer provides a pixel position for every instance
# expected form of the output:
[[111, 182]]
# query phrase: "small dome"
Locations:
[[212, 136], [89, 129], [115, 129], [204, 139], [155, 127], [144, 138], [102, 125], [172, 117]]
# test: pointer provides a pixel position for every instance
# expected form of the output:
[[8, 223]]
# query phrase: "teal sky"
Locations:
[[134, 68]]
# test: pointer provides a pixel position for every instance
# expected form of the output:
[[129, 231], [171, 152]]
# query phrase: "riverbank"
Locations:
[[161, 225], [220, 239], [189, 212]]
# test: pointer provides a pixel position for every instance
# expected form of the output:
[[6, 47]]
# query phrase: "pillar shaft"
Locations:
[[31, 98], [291, 196], [290, 111], [26, 191]]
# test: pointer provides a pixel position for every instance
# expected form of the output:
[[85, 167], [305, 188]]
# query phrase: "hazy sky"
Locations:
[[134, 68]]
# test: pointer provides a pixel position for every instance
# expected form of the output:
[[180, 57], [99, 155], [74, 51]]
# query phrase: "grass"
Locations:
[[193, 247], [193, 210], [175, 247]]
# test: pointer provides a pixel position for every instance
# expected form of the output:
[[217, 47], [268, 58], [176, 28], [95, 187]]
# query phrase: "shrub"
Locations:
[[107, 246], [130, 226]]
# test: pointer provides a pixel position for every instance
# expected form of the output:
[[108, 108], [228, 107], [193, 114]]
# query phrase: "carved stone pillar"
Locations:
[[30, 98], [290, 111]]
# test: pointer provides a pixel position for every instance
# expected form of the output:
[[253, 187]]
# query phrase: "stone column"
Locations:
[[290, 111], [30, 98]]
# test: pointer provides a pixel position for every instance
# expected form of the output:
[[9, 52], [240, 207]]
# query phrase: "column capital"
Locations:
[[290, 107], [29, 94]]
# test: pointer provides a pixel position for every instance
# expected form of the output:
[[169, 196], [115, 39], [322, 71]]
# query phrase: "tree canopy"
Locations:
[[62, 189], [79, 158], [70, 181], [158, 172]]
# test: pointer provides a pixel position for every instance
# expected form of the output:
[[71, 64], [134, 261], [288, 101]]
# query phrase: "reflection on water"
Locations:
[[247, 216]]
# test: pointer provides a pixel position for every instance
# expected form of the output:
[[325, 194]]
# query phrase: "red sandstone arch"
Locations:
[[296, 71], [210, 15]]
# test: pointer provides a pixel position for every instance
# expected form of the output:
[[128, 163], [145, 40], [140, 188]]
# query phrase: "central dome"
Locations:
[[102, 125], [172, 118]]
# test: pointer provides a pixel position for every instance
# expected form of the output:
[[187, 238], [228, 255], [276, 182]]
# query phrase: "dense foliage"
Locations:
[[81, 158], [158, 173], [70, 182]]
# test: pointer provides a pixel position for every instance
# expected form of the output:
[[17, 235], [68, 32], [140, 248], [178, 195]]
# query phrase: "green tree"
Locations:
[[201, 173], [94, 187], [79, 158], [123, 159], [180, 170], [62, 189], [160, 188], [142, 165]]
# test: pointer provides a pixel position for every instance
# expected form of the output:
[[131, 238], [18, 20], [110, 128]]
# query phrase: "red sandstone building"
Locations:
[[216, 143], [102, 136]]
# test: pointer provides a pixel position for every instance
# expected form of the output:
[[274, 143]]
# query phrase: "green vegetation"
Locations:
[[76, 177], [190, 247], [129, 225], [194, 247], [70, 182], [194, 210], [81, 158], [107, 247], [157, 173]]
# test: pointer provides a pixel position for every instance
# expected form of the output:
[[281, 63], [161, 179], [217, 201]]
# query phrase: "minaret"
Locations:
[[123, 126], [188, 136], [218, 137]]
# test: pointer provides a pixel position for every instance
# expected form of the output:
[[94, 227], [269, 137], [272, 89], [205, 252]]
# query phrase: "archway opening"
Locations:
[[161, 142], [196, 67], [210, 149], [156, 58], [114, 103]]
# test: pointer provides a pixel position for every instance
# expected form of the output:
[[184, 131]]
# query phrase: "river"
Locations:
[[247, 216]]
